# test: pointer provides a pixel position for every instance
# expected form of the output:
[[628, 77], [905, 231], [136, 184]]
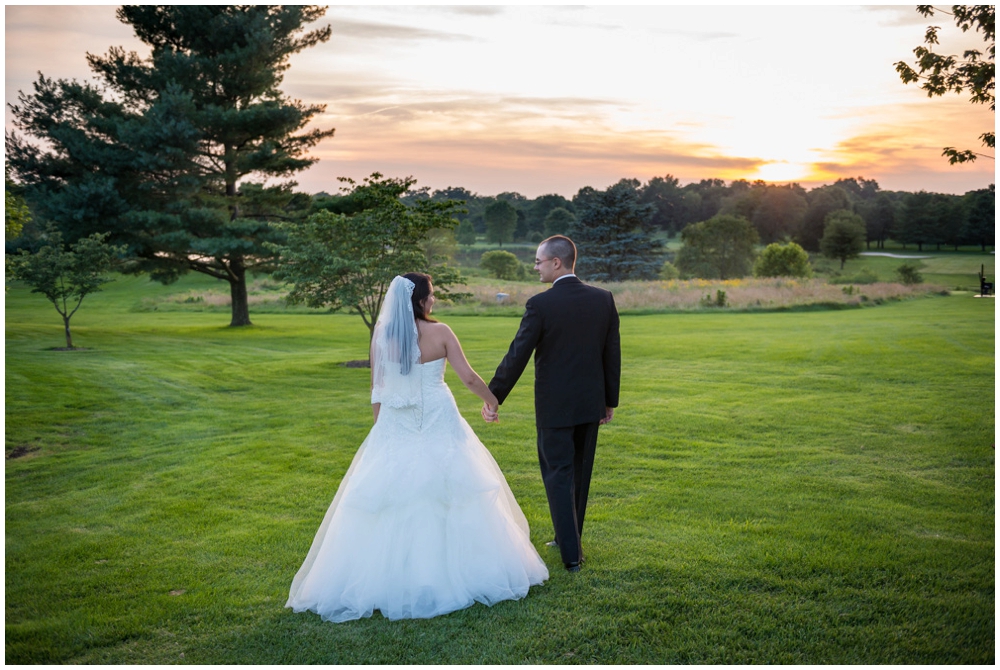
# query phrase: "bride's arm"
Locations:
[[472, 381]]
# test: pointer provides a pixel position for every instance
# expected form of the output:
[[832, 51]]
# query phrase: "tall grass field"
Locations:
[[784, 487]]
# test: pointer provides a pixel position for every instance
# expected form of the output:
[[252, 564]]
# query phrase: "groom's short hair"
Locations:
[[561, 247]]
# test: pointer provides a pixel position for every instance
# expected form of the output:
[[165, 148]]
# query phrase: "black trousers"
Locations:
[[566, 457]]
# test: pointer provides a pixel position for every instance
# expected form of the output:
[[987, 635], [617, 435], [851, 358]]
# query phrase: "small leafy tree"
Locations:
[[783, 260], [466, 233], [67, 276], [720, 248], [908, 274], [502, 265], [843, 236], [348, 261], [668, 271], [501, 220]]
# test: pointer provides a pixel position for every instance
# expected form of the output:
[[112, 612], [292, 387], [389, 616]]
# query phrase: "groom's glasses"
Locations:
[[539, 261]]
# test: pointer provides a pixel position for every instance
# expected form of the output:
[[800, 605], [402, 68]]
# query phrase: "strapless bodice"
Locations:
[[432, 373]]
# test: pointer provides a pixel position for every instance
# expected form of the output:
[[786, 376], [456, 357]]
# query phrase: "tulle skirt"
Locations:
[[423, 524]]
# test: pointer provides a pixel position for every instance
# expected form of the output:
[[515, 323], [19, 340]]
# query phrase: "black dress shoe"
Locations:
[[572, 567], [553, 543]]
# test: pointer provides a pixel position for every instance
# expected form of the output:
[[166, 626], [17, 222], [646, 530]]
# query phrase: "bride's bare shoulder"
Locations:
[[435, 329]]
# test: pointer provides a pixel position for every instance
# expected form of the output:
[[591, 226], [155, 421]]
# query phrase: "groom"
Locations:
[[572, 328]]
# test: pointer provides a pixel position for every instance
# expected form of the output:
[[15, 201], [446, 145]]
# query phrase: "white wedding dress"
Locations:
[[423, 523]]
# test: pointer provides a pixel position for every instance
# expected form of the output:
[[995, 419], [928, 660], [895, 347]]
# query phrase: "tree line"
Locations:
[[777, 212]]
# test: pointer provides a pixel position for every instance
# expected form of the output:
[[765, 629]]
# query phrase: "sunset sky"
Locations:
[[550, 99]]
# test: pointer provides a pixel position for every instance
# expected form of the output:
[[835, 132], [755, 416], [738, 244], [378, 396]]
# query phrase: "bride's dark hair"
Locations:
[[421, 289]]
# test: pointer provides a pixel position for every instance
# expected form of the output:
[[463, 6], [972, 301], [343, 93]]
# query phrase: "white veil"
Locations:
[[395, 354]]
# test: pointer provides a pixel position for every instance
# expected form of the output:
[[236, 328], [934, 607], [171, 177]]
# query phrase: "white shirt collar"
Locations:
[[563, 277]]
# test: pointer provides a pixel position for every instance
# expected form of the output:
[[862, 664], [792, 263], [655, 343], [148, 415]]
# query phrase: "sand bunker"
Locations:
[[882, 253]]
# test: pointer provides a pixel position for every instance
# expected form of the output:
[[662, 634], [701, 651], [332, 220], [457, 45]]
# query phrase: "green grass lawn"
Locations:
[[948, 268], [951, 269], [811, 487]]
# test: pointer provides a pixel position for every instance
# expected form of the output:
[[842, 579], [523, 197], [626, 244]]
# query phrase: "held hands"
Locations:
[[491, 413]]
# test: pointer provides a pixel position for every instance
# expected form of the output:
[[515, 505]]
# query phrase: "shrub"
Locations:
[[907, 273], [502, 265], [535, 237], [718, 301], [668, 271], [783, 260]]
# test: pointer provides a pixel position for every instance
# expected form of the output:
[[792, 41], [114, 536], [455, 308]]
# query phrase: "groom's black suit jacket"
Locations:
[[573, 330]]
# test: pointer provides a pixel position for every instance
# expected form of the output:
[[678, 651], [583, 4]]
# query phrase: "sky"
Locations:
[[551, 99]]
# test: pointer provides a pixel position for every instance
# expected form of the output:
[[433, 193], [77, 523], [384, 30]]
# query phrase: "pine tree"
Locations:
[[613, 234], [161, 153]]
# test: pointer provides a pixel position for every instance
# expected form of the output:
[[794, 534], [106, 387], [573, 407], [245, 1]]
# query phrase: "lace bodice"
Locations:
[[433, 372]]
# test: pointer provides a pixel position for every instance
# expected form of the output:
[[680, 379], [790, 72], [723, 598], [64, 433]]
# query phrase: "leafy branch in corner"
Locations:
[[974, 71]]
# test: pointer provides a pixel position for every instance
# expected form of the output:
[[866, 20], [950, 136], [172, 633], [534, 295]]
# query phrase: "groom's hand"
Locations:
[[609, 413], [491, 413]]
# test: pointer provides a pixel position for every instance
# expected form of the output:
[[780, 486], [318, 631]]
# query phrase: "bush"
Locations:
[[718, 301], [668, 271], [783, 260], [907, 273], [502, 265], [535, 237]]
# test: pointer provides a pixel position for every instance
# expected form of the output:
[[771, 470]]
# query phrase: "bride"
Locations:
[[424, 522]]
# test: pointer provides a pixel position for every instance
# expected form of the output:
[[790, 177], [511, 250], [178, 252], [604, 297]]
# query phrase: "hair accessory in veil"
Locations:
[[395, 379]]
